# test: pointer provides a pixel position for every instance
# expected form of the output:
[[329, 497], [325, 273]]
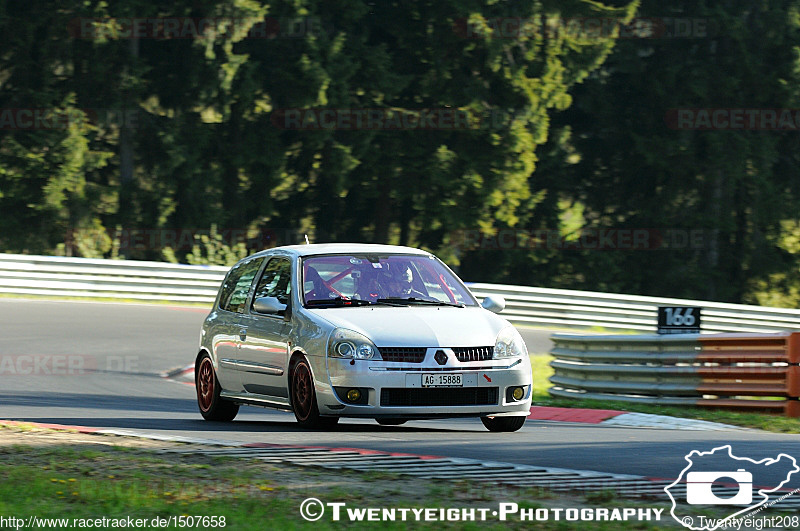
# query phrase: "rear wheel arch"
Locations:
[[212, 405], [203, 352]]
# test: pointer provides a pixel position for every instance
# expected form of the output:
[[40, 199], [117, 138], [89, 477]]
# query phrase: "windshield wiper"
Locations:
[[415, 300], [338, 301]]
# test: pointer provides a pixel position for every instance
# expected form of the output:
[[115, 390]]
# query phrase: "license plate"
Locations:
[[442, 380]]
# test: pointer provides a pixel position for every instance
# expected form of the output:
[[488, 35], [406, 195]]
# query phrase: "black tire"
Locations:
[[503, 424], [391, 422], [304, 398], [211, 406]]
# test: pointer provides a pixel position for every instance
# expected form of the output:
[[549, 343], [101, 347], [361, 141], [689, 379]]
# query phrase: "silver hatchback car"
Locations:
[[359, 330]]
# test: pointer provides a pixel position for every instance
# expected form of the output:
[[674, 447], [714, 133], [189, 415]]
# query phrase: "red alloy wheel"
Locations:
[[303, 391], [205, 385]]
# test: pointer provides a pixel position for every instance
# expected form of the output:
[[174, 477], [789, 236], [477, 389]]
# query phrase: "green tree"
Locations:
[[49, 164], [141, 147], [205, 147], [416, 186], [619, 153]]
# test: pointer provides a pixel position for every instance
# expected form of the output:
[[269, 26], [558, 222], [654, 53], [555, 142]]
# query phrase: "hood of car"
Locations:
[[417, 326]]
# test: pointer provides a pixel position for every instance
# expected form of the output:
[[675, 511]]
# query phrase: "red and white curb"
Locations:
[[624, 419], [182, 375], [644, 420], [422, 466]]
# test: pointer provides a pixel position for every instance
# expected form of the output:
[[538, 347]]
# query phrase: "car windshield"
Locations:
[[398, 279]]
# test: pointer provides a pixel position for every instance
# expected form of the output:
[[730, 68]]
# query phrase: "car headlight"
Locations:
[[345, 343], [509, 344]]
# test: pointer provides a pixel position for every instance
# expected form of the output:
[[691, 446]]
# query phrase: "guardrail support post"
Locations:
[[793, 375]]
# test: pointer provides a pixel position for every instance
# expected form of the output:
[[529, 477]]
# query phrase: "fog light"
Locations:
[[518, 393], [353, 395]]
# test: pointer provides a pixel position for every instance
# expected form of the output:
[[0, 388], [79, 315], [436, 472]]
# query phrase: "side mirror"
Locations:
[[494, 303], [269, 305]]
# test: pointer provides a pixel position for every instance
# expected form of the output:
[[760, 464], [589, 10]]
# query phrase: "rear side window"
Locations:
[[276, 280], [237, 284]]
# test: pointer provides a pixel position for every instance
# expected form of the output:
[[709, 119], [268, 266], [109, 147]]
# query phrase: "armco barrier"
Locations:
[[743, 371], [567, 308], [139, 280], [119, 279]]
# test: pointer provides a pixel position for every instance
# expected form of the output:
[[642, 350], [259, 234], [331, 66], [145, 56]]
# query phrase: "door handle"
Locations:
[[243, 334]]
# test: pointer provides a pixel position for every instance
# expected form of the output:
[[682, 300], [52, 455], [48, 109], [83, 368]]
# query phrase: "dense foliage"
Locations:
[[506, 136]]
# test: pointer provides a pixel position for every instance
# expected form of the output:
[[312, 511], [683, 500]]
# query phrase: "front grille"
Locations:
[[463, 396], [403, 354], [473, 353]]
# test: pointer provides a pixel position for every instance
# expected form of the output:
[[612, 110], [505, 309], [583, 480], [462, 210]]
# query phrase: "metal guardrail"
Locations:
[[743, 371], [140, 280], [567, 308], [119, 279]]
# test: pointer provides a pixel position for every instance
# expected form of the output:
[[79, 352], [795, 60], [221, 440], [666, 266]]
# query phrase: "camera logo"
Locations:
[[699, 487], [735, 486]]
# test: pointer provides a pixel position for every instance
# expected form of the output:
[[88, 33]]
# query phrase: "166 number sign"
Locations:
[[678, 320]]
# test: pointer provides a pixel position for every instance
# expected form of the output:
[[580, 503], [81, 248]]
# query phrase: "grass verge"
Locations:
[[542, 371]]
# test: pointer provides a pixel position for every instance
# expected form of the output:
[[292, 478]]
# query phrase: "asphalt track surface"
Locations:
[[100, 365]]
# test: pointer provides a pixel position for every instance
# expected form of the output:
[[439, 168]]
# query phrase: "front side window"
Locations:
[[276, 280], [233, 296], [381, 277]]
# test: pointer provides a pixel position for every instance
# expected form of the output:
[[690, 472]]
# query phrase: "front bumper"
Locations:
[[392, 389]]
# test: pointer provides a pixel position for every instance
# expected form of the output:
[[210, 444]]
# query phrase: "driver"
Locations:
[[399, 283]]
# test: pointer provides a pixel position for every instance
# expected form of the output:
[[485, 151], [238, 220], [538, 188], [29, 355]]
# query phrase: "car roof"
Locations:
[[345, 248]]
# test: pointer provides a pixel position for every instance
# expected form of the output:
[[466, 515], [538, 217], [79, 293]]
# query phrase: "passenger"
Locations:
[[319, 291]]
